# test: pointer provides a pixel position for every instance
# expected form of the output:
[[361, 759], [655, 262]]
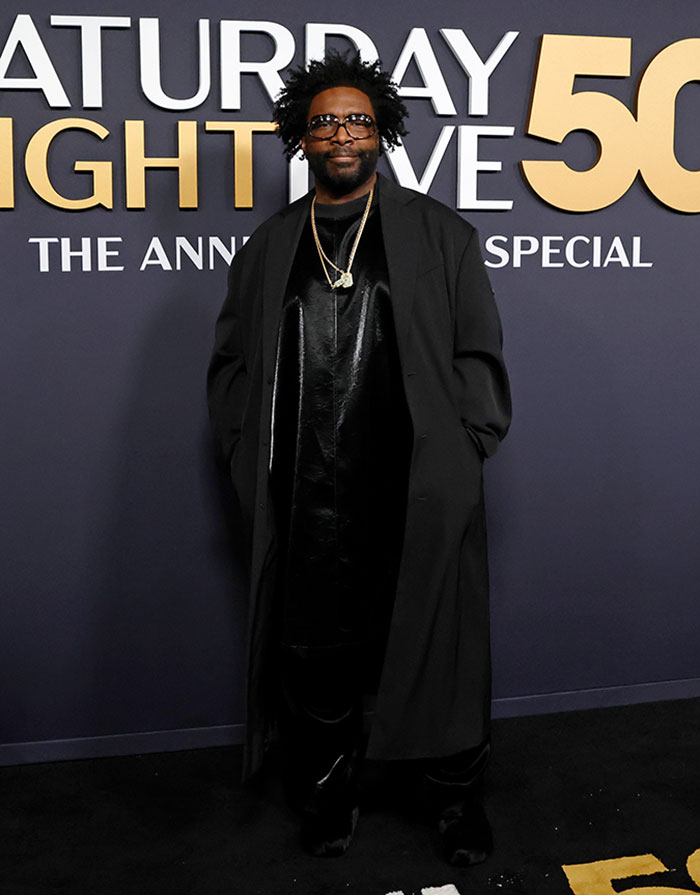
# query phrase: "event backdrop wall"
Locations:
[[123, 596]]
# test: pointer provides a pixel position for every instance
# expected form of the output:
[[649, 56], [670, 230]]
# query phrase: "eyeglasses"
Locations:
[[357, 126]]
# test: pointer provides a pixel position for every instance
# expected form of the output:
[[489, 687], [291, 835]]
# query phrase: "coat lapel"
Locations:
[[283, 241], [403, 249]]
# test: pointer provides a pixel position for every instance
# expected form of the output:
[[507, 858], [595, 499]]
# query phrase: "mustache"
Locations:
[[338, 152]]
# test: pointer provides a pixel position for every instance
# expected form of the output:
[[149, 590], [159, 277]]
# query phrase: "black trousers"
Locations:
[[321, 721]]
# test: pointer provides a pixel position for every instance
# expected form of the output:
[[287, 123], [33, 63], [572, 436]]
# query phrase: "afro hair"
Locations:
[[291, 107]]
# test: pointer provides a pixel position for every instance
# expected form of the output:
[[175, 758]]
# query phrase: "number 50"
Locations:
[[627, 144]]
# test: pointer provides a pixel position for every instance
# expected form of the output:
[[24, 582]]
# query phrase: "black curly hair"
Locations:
[[336, 69]]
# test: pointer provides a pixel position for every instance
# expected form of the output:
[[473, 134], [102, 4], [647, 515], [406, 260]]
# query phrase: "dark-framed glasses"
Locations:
[[358, 126]]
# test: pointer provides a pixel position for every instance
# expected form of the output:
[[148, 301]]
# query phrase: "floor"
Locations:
[[576, 800]]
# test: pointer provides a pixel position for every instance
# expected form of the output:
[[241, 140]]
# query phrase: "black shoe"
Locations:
[[329, 815], [328, 834], [465, 833]]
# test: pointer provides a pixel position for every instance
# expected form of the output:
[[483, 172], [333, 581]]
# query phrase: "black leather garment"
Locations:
[[320, 722], [341, 441]]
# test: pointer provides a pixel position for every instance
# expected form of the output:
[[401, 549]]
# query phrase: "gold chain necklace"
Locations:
[[345, 279]]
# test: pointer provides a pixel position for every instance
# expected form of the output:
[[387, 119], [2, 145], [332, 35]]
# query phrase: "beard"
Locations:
[[338, 179]]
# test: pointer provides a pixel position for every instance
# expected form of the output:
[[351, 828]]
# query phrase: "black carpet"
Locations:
[[566, 789]]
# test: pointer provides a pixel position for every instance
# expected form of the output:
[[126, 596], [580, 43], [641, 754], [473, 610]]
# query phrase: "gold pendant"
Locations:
[[344, 281]]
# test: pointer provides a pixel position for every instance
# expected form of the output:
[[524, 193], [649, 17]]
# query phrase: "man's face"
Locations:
[[341, 164]]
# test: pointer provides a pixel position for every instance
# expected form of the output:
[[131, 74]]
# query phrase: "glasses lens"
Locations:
[[323, 126], [359, 126]]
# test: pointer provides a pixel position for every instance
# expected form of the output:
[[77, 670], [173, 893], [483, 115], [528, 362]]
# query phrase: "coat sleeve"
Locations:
[[227, 375], [483, 393]]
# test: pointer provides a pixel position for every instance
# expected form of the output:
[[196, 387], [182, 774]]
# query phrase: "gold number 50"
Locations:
[[596, 878], [627, 144]]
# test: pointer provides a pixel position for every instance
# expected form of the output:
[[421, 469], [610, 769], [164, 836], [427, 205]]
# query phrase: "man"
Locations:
[[356, 385]]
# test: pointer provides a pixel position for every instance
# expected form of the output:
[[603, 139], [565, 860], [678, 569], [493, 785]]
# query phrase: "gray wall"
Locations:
[[123, 597]]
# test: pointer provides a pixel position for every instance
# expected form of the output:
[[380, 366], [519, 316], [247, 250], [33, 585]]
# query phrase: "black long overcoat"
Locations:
[[434, 692]]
